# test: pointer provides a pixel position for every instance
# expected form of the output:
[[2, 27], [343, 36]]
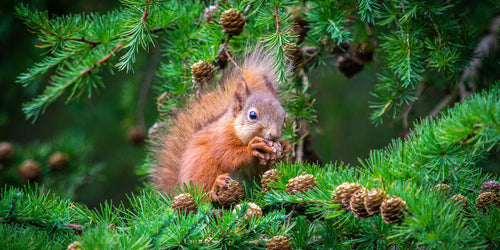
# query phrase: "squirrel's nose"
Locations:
[[274, 134]]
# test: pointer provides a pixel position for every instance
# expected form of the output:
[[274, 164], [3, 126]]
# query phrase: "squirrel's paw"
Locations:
[[220, 182], [267, 152]]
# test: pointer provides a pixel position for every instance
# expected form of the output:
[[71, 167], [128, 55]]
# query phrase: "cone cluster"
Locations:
[[364, 203], [203, 72], [278, 243], [185, 202], [300, 184], [233, 22], [489, 196]]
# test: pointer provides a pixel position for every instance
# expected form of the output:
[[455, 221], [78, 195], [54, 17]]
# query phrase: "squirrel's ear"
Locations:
[[240, 95], [269, 86]]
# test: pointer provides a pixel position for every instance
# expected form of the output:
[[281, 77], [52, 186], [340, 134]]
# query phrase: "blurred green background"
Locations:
[[343, 131]]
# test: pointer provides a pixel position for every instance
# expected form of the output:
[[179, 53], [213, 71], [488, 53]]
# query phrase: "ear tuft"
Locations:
[[240, 95], [269, 86]]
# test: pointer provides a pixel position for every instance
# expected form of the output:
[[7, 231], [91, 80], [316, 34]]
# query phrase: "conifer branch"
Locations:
[[104, 59]]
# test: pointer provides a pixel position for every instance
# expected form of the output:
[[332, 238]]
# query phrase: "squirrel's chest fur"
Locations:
[[213, 150]]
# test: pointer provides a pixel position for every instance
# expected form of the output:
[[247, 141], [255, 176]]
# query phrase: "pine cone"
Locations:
[[363, 52], [491, 186], [487, 200], [357, 203], [136, 136], [232, 22], [30, 170], [343, 193], [76, 245], [253, 210], [222, 59], [203, 72], [278, 243], [58, 161], [443, 188], [392, 209], [373, 200], [267, 178], [300, 183], [6, 151], [340, 49], [185, 202], [461, 200], [210, 13], [231, 193], [349, 66]]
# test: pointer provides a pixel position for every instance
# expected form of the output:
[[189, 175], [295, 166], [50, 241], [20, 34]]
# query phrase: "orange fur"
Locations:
[[202, 142]]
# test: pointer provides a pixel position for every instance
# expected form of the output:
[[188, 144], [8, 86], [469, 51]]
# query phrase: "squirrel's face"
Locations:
[[261, 115]]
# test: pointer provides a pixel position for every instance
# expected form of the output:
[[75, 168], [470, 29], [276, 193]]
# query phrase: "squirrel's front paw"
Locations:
[[267, 152], [220, 182]]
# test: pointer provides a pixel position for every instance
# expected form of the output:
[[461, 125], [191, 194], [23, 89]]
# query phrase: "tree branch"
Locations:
[[104, 59]]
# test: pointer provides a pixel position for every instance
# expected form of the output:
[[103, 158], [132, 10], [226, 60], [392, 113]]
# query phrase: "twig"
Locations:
[[104, 59], [450, 97], [278, 21], [145, 14], [231, 59], [82, 39]]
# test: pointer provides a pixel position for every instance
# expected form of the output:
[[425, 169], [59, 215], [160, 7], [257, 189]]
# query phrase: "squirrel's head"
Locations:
[[257, 113]]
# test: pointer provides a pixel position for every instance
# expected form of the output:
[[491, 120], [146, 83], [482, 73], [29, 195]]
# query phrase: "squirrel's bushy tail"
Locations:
[[169, 144]]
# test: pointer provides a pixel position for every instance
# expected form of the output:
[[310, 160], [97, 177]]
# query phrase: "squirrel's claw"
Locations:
[[267, 152], [219, 182]]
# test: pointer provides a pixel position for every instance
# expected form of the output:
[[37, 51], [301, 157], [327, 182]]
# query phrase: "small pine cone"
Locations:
[[267, 178], [232, 22], [276, 157], [222, 59], [231, 193], [136, 135], [349, 66], [185, 202], [6, 151], [210, 13], [278, 243], [300, 183], [76, 245], [363, 52], [460, 199], [373, 200], [487, 200], [30, 170], [58, 161], [253, 210], [443, 188], [295, 54], [491, 186], [392, 209], [357, 204], [203, 72], [343, 193]]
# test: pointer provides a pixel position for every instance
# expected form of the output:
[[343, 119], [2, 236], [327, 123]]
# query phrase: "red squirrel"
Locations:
[[230, 131]]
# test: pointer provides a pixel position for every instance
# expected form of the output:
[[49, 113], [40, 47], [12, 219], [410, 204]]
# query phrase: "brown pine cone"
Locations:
[[253, 210], [6, 151], [231, 193], [76, 245], [349, 66], [343, 193], [373, 200], [300, 183], [491, 186], [58, 161], [461, 200], [357, 204], [278, 243], [392, 209], [442, 187], [268, 177], [487, 200], [30, 170], [233, 22], [363, 52], [185, 202], [203, 72]]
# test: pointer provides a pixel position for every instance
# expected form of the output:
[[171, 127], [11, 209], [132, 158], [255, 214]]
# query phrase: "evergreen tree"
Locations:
[[425, 190]]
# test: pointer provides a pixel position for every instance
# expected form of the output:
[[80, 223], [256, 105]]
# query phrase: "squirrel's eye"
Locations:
[[252, 115]]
